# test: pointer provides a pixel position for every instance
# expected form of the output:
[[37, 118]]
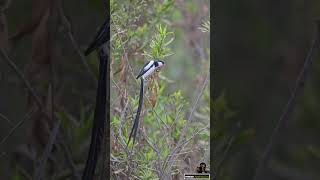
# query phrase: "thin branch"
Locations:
[[6, 58], [224, 156], [26, 117], [300, 82], [24, 173], [75, 45], [39, 171], [188, 140], [53, 135], [123, 144], [180, 144], [52, 33], [156, 149], [5, 118], [68, 156], [26, 83]]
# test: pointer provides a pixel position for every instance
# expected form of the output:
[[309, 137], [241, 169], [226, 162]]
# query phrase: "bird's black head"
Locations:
[[159, 63]]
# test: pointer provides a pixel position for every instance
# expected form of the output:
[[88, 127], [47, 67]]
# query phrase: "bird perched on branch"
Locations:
[[149, 68], [145, 73]]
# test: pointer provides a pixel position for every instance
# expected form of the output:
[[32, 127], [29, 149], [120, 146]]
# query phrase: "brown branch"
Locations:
[[300, 82]]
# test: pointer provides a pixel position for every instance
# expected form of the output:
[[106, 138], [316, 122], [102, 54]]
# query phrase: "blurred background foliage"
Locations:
[[173, 135], [259, 48], [45, 39]]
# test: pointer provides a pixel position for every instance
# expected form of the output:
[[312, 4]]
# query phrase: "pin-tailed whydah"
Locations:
[[99, 44], [147, 71]]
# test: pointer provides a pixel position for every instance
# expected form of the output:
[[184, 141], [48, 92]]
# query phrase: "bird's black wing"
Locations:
[[101, 37], [135, 126], [143, 70]]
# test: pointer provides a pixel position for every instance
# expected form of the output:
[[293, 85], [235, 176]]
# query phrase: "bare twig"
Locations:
[[5, 118], [123, 144], [291, 102], [180, 144], [53, 136], [26, 117], [70, 161], [39, 171], [156, 149], [224, 156], [6, 58], [24, 173], [117, 86], [75, 45]]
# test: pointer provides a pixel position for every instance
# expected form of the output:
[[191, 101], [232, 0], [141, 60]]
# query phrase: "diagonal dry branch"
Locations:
[[297, 90], [67, 26], [5, 118], [26, 117], [27, 84], [185, 128]]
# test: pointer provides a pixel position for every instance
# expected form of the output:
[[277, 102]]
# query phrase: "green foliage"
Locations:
[[142, 30], [76, 130], [159, 44], [163, 126], [128, 32]]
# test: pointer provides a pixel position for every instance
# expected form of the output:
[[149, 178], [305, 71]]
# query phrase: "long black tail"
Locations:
[[134, 129], [102, 36], [98, 130]]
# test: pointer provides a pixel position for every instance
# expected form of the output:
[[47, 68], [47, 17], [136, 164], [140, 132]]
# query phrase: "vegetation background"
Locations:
[[259, 48], [47, 87], [173, 136]]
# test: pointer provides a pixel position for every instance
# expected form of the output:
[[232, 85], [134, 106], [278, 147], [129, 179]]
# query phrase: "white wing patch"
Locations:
[[148, 65]]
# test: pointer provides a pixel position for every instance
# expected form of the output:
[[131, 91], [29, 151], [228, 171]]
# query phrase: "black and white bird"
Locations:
[[100, 39], [149, 68], [147, 71], [99, 44]]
